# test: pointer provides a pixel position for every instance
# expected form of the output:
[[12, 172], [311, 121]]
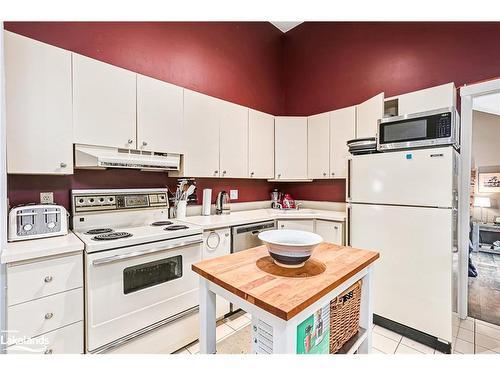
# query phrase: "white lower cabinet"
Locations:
[[331, 231], [45, 306], [305, 225], [66, 340], [217, 243]]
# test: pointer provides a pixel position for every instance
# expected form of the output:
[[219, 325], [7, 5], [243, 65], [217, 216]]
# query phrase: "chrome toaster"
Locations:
[[37, 221]]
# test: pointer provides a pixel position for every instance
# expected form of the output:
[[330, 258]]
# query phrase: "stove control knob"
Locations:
[[51, 225], [27, 227]]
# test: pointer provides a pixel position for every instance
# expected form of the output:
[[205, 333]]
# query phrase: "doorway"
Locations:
[[479, 216]]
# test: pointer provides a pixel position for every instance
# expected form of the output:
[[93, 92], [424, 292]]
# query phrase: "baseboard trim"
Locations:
[[411, 333]]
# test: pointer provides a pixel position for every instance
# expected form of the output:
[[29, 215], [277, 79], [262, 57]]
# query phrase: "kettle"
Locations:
[[222, 203], [288, 202]]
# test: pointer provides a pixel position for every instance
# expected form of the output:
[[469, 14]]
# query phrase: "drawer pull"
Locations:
[[49, 315], [48, 351], [48, 279]]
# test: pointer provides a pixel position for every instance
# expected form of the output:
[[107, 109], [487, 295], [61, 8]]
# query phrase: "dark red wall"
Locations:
[[330, 65], [236, 61]]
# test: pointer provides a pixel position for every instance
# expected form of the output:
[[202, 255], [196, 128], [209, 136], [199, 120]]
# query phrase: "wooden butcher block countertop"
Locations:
[[252, 275]]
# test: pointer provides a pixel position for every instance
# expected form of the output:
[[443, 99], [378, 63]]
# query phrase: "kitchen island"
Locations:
[[283, 302]]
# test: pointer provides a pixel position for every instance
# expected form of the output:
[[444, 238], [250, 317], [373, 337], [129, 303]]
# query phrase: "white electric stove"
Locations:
[[138, 273]]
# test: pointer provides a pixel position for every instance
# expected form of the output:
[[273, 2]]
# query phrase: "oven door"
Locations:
[[131, 288]]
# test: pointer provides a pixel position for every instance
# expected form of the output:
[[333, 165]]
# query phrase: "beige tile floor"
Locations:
[[470, 336]]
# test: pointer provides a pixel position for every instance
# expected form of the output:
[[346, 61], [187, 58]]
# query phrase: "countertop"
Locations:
[[39, 248], [252, 216], [284, 293]]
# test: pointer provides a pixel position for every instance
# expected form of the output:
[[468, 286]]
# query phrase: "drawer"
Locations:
[[26, 282], [46, 314], [66, 340]]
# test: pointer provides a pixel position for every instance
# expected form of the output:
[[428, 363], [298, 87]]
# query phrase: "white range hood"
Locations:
[[96, 157]]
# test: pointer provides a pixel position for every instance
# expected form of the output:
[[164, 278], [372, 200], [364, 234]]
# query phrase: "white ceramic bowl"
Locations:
[[290, 248]]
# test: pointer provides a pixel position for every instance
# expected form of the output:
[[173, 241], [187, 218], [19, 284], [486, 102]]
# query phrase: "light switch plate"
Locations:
[[47, 197], [233, 194]]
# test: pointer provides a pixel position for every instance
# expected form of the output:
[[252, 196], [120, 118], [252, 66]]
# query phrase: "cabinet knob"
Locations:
[[63, 165], [49, 316], [48, 279], [279, 175], [282, 225], [215, 172], [130, 141], [324, 174], [223, 172], [144, 143], [252, 173], [48, 351], [333, 173]]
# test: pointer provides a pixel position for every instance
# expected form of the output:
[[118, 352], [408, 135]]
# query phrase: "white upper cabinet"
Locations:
[[104, 104], [201, 135], [159, 116], [38, 107], [233, 140], [260, 145], [318, 146], [437, 97], [342, 129], [290, 148], [367, 115]]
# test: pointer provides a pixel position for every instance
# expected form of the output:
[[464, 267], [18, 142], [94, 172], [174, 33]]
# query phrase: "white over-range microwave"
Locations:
[[425, 129]]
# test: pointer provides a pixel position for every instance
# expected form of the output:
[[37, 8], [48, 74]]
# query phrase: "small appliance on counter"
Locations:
[[276, 197], [33, 221], [288, 202], [362, 146], [207, 202], [222, 205]]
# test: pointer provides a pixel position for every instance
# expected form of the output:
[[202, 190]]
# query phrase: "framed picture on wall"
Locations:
[[489, 182]]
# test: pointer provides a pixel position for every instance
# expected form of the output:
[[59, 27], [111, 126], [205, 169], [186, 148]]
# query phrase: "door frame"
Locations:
[[467, 94]]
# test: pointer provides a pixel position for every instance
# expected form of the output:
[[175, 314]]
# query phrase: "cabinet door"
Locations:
[[367, 115], [201, 130], [38, 107], [318, 146], [159, 116], [342, 129], [331, 231], [306, 225], [427, 99], [103, 104], [233, 140], [291, 148], [260, 145]]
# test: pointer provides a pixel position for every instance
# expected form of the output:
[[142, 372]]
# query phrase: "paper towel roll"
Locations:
[[207, 202]]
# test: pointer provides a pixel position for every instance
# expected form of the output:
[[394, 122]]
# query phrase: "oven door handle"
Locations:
[[115, 258]]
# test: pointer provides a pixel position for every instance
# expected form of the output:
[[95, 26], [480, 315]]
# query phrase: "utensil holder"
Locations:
[[180, 211]]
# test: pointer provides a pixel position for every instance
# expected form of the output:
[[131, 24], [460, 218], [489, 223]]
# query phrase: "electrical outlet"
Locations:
[[47, 197], [233, 194]]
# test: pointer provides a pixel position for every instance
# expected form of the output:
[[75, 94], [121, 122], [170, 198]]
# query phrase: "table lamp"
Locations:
[[482, 202]]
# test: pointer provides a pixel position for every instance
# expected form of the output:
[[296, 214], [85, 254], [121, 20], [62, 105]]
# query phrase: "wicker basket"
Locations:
[[344, 316]]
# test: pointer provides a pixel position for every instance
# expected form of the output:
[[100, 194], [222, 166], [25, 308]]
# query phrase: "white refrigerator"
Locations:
[[404, 205]]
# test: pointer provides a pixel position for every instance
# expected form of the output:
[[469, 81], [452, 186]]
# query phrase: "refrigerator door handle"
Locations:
[[349, 170], [349, 220]]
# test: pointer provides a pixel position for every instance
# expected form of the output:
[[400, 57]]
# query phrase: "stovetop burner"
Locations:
[[161, 223], [99, 231], [176, 227], [111, 236]]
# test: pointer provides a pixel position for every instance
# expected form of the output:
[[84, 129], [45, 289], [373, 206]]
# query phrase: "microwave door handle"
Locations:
[[116, 258]]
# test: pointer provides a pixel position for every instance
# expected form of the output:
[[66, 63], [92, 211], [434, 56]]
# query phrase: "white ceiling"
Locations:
[[286, 26]]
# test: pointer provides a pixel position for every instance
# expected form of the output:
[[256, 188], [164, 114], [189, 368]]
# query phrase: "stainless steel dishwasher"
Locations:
[[246, 236]]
